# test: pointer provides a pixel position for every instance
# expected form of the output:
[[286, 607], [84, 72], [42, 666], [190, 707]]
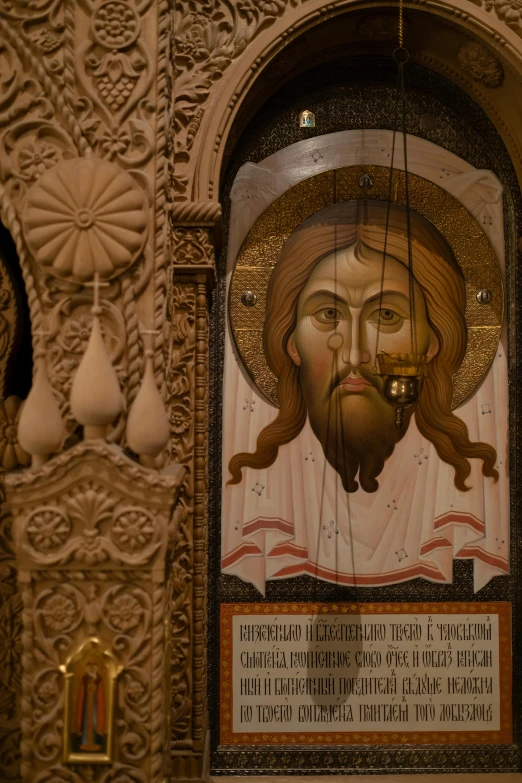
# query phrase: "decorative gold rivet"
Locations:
[[248, 298], [484, 296], [366, 181]]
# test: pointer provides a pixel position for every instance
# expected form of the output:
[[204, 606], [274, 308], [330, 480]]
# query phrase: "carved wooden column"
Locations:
[[194, 230], [12, 457], [91, 535]]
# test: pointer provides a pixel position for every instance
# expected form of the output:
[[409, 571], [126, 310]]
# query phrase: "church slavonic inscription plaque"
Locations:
[[364, 673]]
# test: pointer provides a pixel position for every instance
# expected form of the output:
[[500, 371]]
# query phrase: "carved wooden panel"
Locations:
[[188, 387], [92, 531], [12, 456]]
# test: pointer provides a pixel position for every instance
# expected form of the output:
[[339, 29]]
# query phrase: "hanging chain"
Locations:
[[411, 279], [401, 56], [388, 207], [399, 99]]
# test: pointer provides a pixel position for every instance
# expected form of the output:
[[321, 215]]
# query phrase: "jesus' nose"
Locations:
[[356, 354]]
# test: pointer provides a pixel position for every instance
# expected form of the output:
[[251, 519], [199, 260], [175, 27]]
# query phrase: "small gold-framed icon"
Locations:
[[90, 683], [307, 119]]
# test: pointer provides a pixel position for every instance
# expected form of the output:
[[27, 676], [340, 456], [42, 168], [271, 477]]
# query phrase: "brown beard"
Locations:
[[356, 430]]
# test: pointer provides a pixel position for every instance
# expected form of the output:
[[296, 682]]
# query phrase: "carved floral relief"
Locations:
[[481, 64], [508, 11], [124, 625], [191, 246], [118, 66], [12, 454], [88, 527], [188, 385], [209, 35], [181, 379], [80, 79], [10, 650], [103, 57]]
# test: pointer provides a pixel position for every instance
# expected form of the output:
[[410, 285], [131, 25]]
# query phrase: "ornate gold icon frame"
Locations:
[[471, 247], [91, 648]]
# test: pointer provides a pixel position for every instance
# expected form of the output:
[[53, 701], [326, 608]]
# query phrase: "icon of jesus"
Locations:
[[328, 297]]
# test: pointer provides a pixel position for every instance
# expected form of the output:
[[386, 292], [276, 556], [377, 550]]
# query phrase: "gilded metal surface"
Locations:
[[472, 249]]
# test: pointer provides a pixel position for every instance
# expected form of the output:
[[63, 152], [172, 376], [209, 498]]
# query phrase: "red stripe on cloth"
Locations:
[[435, 543], [452, 517], [493, 560], [268, 524], [421, 569], [247, 549], [287, 548]]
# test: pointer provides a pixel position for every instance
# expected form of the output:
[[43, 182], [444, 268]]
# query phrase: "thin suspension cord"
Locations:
[[349, 519], [336, 431], [323, 482], [411, 287], [400, 97], [388, 206], [328, 433]]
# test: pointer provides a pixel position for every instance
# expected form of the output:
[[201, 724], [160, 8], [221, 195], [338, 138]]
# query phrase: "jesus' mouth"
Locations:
[[354, 383]]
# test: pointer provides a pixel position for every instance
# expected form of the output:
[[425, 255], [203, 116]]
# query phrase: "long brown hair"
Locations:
[[437, 273]]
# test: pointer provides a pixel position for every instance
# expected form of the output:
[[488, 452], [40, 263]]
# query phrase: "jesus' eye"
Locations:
[[386, 317], [327, 315]]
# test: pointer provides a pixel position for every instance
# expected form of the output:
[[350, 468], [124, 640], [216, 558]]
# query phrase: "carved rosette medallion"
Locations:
[[481, 64], [86, 216], [115, 27], [48, 528], [115, 24], [133, 529]]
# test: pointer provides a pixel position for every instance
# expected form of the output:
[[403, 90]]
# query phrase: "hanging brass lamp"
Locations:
[[402, 375]]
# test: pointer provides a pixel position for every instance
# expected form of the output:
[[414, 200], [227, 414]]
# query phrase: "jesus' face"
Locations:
[[319, 336], [333, 344]]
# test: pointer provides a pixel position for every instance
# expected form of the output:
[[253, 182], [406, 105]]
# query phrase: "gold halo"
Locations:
[[471, 247]]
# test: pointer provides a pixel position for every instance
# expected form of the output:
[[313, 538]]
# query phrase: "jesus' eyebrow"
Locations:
[[326, 292], [385, 293]]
